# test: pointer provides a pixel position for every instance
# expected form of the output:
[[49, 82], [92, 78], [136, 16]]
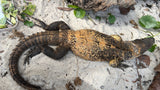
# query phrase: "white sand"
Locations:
[[51, 74]]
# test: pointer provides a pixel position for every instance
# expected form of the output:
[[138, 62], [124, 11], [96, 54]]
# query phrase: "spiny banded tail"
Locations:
[[49, 38]]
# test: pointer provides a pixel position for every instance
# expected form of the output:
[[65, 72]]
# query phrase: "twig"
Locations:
[[146, 31], [108, 71], [65, 9], [152, 35], [77, 67], [91, 19], [139, 77]]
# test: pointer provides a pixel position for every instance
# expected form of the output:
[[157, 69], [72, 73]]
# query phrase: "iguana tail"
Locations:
[[49, 38]]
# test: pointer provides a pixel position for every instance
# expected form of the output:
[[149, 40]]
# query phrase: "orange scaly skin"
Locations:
[[87, 44]]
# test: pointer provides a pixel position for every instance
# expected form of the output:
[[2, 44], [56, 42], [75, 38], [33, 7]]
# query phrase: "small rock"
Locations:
[[144, 61], [124, 10], [1, 51], [102, 87]]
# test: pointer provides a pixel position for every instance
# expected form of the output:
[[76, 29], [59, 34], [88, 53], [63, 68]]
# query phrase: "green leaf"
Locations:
[[79, 13], [152, 48], [147, 22], [111, 19], [23, 16], [9, 8], [2, 25], [4, 2], [3, 21], [13, 20], [73, 6], [28, 23], [7, 15], [98, 17], [30, 9], [15, 12], [157, 25]]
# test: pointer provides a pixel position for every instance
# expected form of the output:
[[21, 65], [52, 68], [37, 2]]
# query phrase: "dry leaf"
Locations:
[[77, 81], [121, 33], [134, 23], [69, 86]]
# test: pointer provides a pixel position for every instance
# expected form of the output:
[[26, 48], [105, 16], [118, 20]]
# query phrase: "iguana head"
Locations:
[[144, 44]]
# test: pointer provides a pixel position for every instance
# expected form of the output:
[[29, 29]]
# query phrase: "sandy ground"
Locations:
[[51, 74]]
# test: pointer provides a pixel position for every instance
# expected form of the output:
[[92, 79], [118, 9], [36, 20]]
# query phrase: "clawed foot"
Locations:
[[123, 66], [55, 26], [32, 52], [114, 63], [118, 64], [41, 23]]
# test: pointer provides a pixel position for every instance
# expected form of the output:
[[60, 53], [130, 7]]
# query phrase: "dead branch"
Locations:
[[98, 5]]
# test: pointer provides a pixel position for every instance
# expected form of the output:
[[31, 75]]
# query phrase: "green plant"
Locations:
[[3, 22], [111, 18], [81, 13], [149, 22], [28, 10], [9, 12], [28, 23], [98, 18], [157, 25], [78, 12], [154, 45], [152, 48]]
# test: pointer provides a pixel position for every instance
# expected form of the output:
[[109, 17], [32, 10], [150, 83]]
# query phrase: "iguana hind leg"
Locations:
[[55, 26], [35, 50], [56, 54]]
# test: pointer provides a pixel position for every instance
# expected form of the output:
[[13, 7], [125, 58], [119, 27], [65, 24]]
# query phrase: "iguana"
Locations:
[[86, 43]]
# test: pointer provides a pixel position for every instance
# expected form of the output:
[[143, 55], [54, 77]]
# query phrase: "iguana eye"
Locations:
[[108, 46]]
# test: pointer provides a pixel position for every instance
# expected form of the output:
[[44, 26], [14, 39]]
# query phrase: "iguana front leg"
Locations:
[[114, 63], [56, 54]]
